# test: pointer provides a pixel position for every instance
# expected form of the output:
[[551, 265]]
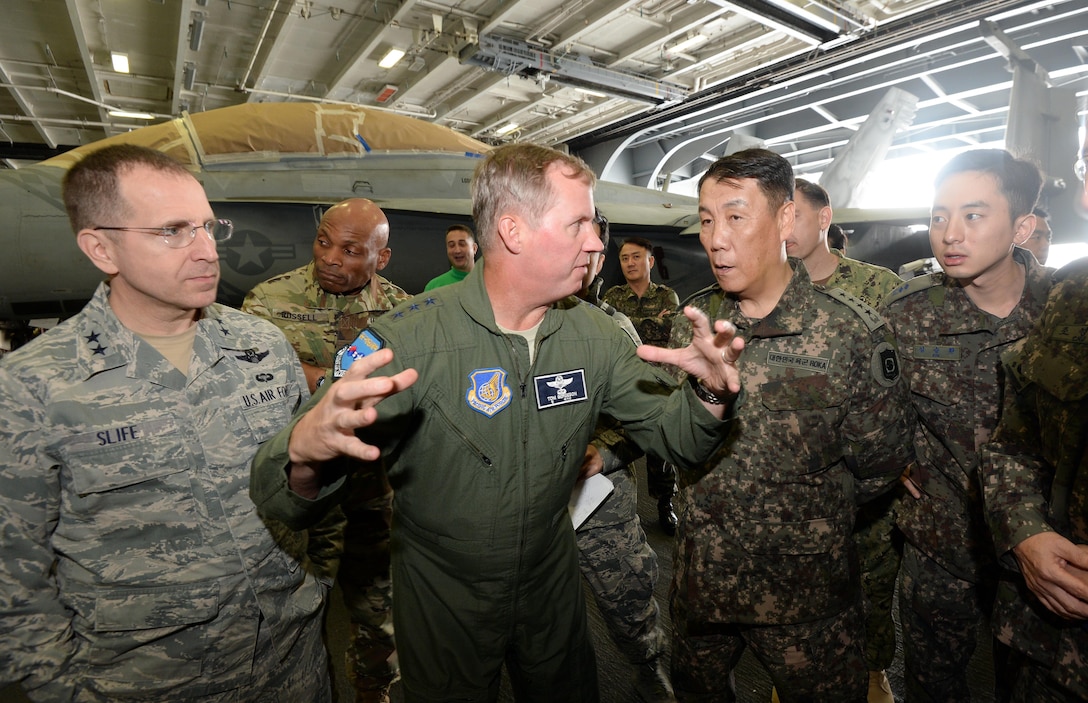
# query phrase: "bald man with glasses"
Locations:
[[135, 565]]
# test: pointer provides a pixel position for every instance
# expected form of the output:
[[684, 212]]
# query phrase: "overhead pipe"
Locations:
[[429, 114]]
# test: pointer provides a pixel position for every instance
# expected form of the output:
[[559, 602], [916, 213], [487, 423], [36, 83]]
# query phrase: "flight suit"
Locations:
[[483, 451]]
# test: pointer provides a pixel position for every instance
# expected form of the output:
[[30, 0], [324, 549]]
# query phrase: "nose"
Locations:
[[953, 231], [204, 247], [719, 237]]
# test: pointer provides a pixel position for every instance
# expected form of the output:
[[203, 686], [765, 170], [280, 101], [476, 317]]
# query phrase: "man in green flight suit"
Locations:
[[484, 429]]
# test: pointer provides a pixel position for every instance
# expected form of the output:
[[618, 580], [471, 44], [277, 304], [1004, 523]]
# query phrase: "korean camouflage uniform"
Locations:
[[1035, 479], [645, 315], [484, 449], [616, 560], [135, 565], [317, 324], [951, 357], [764, 554], [875, 535]]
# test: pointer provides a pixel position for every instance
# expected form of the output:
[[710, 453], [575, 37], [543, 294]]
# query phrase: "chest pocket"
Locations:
[[119, 458], [935, 381], [803, 414]]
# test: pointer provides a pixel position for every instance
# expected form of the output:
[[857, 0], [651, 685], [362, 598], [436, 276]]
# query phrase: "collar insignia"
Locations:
[[489, 393]]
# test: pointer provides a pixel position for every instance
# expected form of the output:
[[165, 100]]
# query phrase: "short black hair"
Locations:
[[461, 228], [773, 173], [602, 222], [1019, 180], [836, 237], [814, 192]]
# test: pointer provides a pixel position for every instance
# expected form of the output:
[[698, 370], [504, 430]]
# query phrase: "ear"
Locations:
[[787, 215], [650, 258], [383, 258], [475, 249], [99, 248], [511, 229], [600, 264], [825, 218], [1023, 227]]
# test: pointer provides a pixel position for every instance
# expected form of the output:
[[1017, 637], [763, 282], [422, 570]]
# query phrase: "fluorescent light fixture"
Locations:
[[120, 61], [588, 91], [132, 115], [506, 128], [391, 58]]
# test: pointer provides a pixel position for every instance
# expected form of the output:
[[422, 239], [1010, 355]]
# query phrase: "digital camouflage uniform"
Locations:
[[483, 450], [764, 554], [951, 357], [135, 565], [879, 545], [1035, 479], [645, 315], [318, 324], [615, 558]]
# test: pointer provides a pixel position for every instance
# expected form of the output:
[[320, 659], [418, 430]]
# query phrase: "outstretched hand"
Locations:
[[711, 357], [328, 429]]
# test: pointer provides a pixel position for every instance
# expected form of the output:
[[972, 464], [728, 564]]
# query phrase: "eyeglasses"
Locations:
[[180, 236]]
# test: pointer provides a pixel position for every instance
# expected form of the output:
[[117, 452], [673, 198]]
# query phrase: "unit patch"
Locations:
[[488, 393], [364, 345], [560, 388], [943, 352], [798, 361], [885, 364]]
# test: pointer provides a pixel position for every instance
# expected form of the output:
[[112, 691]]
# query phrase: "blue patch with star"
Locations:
[[488, 393], [560, 388], [364, 345]]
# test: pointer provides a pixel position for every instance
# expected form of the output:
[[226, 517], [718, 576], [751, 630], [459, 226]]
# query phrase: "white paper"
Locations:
[[587, 496]]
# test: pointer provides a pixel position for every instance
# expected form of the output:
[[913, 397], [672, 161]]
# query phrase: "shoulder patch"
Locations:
[[869, 316], [885, 364], [364, 345]]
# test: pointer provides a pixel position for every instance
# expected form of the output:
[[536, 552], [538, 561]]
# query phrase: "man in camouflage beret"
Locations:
[[1035, 482], [879, 544], [135, 565], [321, 307], [952, 327], [765, 557]]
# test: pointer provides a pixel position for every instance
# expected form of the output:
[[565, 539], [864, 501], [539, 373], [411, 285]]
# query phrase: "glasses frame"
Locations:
[[173, 233]]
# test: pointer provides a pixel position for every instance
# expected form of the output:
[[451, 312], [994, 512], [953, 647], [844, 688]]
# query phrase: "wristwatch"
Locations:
[[704, 394]]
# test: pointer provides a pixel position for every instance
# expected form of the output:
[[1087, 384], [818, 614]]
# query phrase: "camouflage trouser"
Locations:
[[365, 581], [1032, 683], [621, 569], [660, 477], [880, 549], [941, 616], [816, 662]]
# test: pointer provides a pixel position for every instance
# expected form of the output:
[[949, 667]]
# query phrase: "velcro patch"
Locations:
[[798, 361], [488, 393], [885, 364], [560, 388], [364, 345], [1077, 334]]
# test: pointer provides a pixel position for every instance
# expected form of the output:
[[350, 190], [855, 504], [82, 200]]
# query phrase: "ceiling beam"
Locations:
[[80, 32], [26, 106]]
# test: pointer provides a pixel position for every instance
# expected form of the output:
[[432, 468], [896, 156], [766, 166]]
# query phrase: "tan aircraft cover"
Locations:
[[270, 132]]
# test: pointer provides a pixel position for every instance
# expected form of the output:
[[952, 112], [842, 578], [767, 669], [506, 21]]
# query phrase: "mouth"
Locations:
[[953, 259]]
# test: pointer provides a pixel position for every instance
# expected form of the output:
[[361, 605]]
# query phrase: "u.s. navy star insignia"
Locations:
[[488, 393]]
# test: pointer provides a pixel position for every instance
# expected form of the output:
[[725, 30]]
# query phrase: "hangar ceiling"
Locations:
[[643, 88]]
